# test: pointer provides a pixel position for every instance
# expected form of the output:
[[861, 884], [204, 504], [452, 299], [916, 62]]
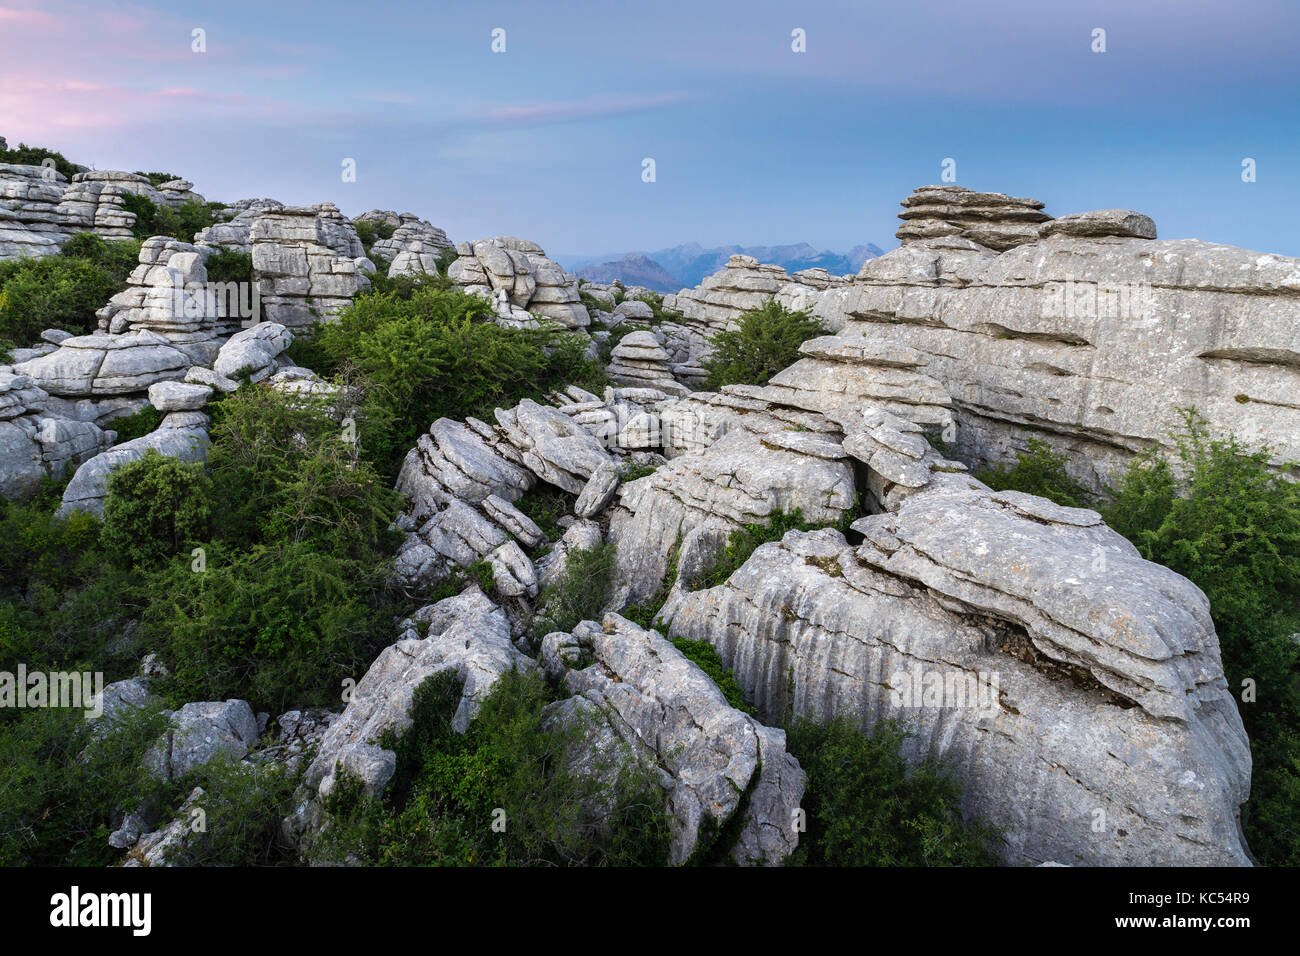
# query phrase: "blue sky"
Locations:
[[753, 143]]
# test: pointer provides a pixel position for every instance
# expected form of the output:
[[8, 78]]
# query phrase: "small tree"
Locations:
[[766, 340], [156, 506]]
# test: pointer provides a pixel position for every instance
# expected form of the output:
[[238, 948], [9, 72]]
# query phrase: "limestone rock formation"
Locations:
[[1032, 723], [715, 760], [182, 435], [995, 220], [40, 209], [467, 634], [640, 361], [36, 441], [520, 280], [744, 284], [308, 262], [413, 248]]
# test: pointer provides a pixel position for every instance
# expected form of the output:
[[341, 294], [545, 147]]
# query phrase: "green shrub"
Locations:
[[294, 596], [580, 592], [631, 471], [156, 507], [1038, 471], [230, 265], [744, 541], [546, 504], [160, 219], [243, 803], [448, 788], [766, 341], [24, 155], [440, 354], [157, 179], [283, 470], [1220, 516], [66, 783], [279, 625], [866, 807], [446, 258], [63, 291], [137, 424], [703, 654], [366, 233], [63, 603]]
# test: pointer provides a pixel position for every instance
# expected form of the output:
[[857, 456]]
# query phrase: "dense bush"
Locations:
[[230, 265], [136, 425], [744, 541], [160, 219], [1218, 515], [1038, 471], [62, 291], [293, 596], [867, 807], [66, 782], [766, 340], [157, 179], [156, 507], [546, 504], [64, 603], [24, 155], [450, 788], [244, 804], [439, 353]]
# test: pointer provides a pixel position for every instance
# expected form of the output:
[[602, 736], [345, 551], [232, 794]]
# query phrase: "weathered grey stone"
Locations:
[[662, 704], [1122, 223], [201, 732], [1027, 715], [178, 396], [467, 634]]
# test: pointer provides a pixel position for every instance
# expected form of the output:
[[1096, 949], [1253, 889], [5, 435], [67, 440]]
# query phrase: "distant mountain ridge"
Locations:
[[685, 266]]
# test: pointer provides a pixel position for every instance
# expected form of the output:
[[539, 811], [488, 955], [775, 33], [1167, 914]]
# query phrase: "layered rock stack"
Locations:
[[994, 220], [233, 233], [413, 248], [520, 280], [640, 361], [308, 261], [713, 306], [169, 293], [30, 221]]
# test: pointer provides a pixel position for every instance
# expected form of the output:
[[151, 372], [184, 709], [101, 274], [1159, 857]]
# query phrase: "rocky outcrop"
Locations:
[[36, 441], [744, 284], [520, 280], [715, 762], [201, 732], [100, 364], [182, 435], [1019, 610], [40, 209], [413, 248], [1092, 344], [640, 361], [1069, 767], [169, 293], [739, 460], [994, 220], [308, 263], [467, 634]]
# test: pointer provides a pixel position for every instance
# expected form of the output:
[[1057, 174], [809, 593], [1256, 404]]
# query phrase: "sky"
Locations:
[[752, 142]]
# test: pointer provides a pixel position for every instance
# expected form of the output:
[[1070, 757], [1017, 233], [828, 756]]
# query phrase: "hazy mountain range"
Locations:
[[682, 267]]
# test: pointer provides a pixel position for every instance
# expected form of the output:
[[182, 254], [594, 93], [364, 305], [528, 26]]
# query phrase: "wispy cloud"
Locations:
[[533, 114]]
